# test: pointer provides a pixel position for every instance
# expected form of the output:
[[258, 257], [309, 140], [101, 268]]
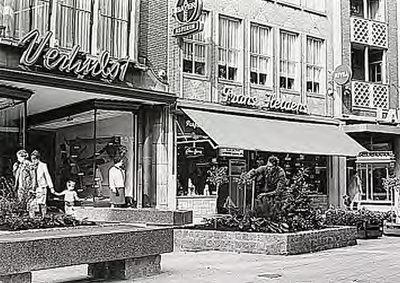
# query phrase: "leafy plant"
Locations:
[[342, 217], [218, 176]]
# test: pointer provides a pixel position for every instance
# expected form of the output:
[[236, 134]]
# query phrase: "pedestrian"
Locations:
[[70, 196], [116, 180], [24, 177], [43, 182]]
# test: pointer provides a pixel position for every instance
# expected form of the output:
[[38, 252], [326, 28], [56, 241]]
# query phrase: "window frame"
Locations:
[[239, 50], [269, 57], [297, 75], [193, 41], [322, 67]]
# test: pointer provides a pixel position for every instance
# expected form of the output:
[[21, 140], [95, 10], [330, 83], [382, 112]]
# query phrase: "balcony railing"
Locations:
[[368, 95], [369, 32]]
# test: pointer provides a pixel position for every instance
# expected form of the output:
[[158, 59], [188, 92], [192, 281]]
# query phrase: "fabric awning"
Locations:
[[263, 134]]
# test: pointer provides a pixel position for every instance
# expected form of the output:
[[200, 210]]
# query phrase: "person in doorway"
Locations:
[[116, 179], [274, 176], [70, 196], [24, 176], [354, 191], [43, 182]]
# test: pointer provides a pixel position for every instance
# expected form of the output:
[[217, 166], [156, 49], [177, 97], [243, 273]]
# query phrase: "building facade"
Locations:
[[92, 78], [255, 82], [368, 42]]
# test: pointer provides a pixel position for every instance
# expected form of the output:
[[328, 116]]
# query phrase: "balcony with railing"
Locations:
[[369, 32], [370, 96]]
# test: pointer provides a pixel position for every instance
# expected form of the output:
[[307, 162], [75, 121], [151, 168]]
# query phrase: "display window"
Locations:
[[12, 116]]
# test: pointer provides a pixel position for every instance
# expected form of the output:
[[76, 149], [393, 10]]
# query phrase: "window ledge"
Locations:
[[288, 91], [195, 77], [316, 95], [319, 13], [261, 87], [224, 81]]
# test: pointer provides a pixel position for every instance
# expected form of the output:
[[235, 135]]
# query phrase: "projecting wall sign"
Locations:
[[71, 62], [187, 13]]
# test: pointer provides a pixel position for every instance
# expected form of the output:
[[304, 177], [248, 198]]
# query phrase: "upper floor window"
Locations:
[[367, 64], [369, 9], [314, 65], [317, 5], [18, 17], [260, 55], [289, 61], [195, 50], [114, 21], [74, 23], [228, 48]]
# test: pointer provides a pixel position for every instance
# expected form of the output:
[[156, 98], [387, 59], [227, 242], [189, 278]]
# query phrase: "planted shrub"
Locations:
[[342, 217]]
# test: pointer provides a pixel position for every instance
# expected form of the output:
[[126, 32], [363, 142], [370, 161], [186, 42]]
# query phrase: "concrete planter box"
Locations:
[[140, 216], [264, 243], [112, 251]]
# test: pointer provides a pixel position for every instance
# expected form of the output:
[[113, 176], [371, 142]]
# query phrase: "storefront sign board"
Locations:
[[230, 98], [392, 117], [342, 75], [188, 29], [230, 152], [70, 62]]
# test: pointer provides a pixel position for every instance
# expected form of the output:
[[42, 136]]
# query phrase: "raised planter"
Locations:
[[112, 251], [264, 243], [391, 229], [133, 215]]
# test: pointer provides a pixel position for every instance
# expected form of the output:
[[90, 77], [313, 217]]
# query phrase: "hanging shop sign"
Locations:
[[72, 62], [194, 151], [230, 152], [342, 75], [187, 13], [230, 98], [392, 117]]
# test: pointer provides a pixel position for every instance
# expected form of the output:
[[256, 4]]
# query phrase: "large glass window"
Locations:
[[289, 61], [74, 23], [229, 49], [113, 27], [18, 17], [260, 55], [195, 50], [372, 182], [315, 65], [367, 64]]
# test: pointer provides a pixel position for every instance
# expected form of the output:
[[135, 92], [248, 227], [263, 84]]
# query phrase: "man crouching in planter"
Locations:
[[274, 181]]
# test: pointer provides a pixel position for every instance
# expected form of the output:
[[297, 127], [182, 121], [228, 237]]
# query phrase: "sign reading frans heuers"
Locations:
[[71, 62]]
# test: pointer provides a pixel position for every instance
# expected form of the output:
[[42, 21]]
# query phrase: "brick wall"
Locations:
[[153, 33], [263, 12], [200, 205]]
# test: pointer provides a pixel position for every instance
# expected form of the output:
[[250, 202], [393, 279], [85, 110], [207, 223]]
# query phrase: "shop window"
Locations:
[[289, 61], [228, 49], [113, 27], [315, 65], [260, 55], [195, 50], [18, 17], [316, 5], [74, 24], [11, 134]]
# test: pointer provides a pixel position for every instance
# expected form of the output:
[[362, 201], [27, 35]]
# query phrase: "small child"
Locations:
[[70, 196]]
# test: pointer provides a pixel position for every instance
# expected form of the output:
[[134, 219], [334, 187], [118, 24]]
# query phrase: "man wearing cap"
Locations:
[[43, 182]]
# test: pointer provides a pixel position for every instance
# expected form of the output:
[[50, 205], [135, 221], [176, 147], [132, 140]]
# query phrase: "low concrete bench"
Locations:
[[112, 251]]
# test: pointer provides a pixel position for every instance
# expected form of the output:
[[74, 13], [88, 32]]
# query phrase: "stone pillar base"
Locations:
[[17, 278], [126, 269]]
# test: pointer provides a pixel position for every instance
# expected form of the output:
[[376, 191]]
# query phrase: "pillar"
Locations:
[[336, 180]]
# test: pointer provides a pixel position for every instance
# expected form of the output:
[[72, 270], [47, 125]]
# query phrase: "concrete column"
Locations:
[[336, 180], [17, 278], [148, 197]]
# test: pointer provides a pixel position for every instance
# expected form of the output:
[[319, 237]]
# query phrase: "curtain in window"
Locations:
[[113, 27], [73, 23], [314, 61], [229, 42], [288, 55], [259, 48], [16, 19]]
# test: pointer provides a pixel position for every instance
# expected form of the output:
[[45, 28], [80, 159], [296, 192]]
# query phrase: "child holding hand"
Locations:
[[70, 196]]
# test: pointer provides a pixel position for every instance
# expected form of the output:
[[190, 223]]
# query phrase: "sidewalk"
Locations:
[[371, 261]]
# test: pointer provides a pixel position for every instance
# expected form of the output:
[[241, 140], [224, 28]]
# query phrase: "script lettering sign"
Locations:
[[71, 62]]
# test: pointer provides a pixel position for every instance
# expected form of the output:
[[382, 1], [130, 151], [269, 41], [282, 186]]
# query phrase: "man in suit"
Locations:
[[43, 181]]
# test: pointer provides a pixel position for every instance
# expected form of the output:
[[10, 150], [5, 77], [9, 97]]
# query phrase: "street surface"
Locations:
[[371, 261]]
